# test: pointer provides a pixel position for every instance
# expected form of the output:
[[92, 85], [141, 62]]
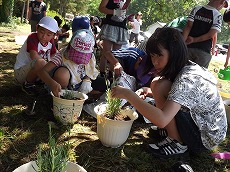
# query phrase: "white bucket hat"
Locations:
[[49, 23]]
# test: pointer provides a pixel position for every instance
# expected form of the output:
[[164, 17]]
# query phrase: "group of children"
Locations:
[[188, 106]]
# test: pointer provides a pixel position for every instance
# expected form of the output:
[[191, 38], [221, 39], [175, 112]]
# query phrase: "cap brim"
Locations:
[[47, 27]]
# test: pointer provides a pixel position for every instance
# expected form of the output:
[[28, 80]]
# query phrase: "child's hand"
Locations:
[[189, 40], [56, 89], [119, 92], [143, 92], [118, 69]]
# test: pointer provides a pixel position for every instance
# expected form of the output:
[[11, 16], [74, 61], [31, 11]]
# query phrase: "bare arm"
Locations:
[[114, 62], [227, 58], [187, 29], [102, 7], [157, 116], [34, 55], [206, 36], [46, 78]]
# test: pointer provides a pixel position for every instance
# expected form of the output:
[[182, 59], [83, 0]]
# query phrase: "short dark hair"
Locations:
[[59, 20], [171, 40], [226, 16], [66, 27]]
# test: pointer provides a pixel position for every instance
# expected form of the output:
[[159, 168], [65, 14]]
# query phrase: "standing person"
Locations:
[[203, 23], [136, 28], [34, 54], [188, 104], [37, 10], [114, 32]]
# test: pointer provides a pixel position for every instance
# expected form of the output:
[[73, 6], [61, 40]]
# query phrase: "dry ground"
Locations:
[[21, 135]]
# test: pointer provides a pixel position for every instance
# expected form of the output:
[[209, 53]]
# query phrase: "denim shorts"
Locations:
[[189, 132]]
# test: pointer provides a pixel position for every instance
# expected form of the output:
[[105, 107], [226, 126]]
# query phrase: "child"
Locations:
[[80, 22], [74, 66], [34, 54], [136, 27], [203, 23], [64, 33], [131, 61], [188, 104]]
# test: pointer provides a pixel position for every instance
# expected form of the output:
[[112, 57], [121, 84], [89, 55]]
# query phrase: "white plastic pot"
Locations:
[[113, 133], [68, 111], [227, 108], [32, 166]]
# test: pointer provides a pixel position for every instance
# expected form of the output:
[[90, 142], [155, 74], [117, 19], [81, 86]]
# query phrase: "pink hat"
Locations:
[[81, 46]]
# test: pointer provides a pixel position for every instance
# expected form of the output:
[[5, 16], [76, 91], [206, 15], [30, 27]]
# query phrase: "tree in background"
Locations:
[[6, 10]]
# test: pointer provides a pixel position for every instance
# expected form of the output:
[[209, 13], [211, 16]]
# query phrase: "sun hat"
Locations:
[[81, 46], [49, 23], [80, 22], [226, 4]]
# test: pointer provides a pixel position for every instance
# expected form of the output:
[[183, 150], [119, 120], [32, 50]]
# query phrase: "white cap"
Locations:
[[49, 23]]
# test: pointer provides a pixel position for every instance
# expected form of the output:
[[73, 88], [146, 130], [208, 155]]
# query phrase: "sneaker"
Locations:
[[168, 148], [29, 88], [181, 167], [157, 133]]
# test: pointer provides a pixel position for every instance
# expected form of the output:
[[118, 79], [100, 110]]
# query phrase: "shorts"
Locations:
[[114, 34], [189, 132], [21, 73], [200, 57]]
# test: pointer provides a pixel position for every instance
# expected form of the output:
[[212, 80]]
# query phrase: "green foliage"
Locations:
[[6, 10], [55, 158], [114, 105], [68, 94], [53, 13]]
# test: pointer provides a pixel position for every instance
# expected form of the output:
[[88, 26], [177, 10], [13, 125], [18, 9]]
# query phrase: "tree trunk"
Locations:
[[6, 10], [23, 11]]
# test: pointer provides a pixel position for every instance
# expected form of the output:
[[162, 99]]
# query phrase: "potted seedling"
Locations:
[[52, 159], [67, 108], [113, 121]]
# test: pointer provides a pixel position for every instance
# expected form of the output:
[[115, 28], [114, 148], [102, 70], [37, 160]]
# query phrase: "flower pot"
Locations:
[[113, 133], [227, 108], [224, 73], [67, 111], [32, 167]]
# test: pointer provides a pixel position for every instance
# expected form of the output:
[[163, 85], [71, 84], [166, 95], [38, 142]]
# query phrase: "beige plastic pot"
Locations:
[[32, 166], [67, 111], [113, 133]]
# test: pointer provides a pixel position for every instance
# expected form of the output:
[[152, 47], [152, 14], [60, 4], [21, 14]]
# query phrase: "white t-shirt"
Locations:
[[32, 43], [136, 26], [195, 88]]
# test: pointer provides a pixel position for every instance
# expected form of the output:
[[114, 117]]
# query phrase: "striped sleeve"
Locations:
[[57, 59]]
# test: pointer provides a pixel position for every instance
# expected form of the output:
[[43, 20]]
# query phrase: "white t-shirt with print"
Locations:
[[195, 88], [136, 26]]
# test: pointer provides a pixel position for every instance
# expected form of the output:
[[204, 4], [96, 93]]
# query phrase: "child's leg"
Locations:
[[107, 46], [62, 76], [160, 89], [32, 74]]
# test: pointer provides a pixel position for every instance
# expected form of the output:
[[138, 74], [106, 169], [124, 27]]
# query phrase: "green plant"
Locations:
[[113, 107], [69, 94], [55, 158]]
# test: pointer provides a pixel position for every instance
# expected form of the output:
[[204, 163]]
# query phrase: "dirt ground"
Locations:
[[23, 134]]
